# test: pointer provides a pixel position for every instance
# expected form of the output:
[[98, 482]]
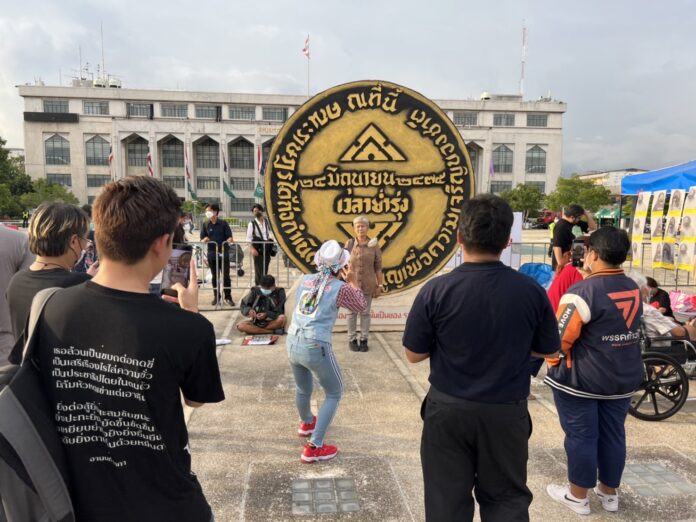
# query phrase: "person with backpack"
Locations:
[[115, 362], [261, 242]]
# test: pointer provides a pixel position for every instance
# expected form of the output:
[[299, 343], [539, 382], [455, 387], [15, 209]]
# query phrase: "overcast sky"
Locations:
[[627, 69]]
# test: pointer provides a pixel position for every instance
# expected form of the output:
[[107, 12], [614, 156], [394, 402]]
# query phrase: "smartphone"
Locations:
[[577, 252], [177, 269]]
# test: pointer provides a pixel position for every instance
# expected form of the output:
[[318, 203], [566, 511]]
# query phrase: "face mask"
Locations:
[[209, 214], [266, 291], [257, 213]]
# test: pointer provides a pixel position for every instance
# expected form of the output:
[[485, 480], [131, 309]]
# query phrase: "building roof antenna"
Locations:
[[524, 57]]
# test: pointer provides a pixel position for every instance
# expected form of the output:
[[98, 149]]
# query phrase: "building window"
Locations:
[[539, 185], [242, 204], [207, 111], [275, 113], [60, 179], [537, 120], [57, 150], [139, 110], [502, 160], [242, 183], [90, 199], [504, 120], [173, 153], [137, 152], [97, 180], [209, 182], [500, 186], [466, 119], [241, 155], [96, 107], [536, 161], [55, 105], [242, 112], [176, 182], [97, 151], [207, 154], [173, 110]]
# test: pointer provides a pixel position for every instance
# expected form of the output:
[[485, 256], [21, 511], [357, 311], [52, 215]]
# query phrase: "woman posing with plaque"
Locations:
[[366, 262]]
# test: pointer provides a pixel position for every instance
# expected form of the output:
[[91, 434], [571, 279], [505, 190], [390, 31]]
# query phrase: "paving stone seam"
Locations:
[[403, 370], [401, 490], [245, 491]]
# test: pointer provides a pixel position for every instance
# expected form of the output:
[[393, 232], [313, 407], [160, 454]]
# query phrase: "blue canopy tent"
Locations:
[[670, 178]]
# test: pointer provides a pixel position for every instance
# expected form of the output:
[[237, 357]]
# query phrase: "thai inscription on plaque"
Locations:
[[377, 149]]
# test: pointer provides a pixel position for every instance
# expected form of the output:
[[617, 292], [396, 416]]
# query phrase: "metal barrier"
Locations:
[[242, 271], [668, 279]]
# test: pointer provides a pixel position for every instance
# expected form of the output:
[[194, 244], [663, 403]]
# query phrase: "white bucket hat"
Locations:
[[331, 255]]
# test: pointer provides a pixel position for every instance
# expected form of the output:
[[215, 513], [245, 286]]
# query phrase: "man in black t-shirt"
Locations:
[[476, 425], [218, 234], [116, 360], [57, 236], [563, 233]]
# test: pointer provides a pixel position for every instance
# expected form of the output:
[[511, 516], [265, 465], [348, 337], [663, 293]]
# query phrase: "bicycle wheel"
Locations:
[[664, 390]]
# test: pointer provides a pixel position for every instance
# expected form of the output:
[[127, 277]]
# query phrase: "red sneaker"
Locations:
[[305, 429], [311, 454]]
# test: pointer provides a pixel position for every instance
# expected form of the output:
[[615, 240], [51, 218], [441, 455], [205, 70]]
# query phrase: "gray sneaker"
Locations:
[[354, 346]]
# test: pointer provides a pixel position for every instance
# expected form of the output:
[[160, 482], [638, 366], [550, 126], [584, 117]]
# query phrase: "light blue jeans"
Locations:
[[311, 359]]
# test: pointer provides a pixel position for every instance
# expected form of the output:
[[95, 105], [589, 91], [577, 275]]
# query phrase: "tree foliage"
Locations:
[[581, 192], [12, 172], [45, 191], [524, 198]]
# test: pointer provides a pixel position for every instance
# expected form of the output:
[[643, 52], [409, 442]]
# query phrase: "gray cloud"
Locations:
[[627, 69]]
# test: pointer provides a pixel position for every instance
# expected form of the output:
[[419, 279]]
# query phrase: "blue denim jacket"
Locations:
[[318, 325]]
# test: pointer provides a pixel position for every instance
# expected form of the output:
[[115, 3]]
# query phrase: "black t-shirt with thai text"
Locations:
[[23, 286], [114, 364]]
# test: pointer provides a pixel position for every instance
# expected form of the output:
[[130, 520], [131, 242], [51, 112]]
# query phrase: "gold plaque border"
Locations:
[[315, 101]]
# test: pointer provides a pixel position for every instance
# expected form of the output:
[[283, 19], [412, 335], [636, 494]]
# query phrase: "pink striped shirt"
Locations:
[[351, 298]]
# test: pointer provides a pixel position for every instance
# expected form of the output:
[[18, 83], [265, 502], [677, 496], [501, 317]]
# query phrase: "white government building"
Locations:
[[69, 131]]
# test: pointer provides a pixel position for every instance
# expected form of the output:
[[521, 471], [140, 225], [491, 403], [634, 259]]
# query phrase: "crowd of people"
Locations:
[[113, 352]]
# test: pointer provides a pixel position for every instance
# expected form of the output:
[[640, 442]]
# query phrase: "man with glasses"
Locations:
[[58, 238]]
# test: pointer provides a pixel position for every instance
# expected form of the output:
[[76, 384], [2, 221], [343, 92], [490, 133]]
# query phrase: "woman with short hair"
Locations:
[[58, 238], [366, 262]]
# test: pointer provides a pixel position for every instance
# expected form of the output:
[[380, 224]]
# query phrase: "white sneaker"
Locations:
[[562, 495], [609, 502]]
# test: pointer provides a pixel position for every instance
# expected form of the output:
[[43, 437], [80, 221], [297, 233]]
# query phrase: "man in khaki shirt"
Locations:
[[366, 262]]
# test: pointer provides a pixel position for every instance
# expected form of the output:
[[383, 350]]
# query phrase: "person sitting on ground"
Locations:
[[658, 298], [265, 307], [58, 238]]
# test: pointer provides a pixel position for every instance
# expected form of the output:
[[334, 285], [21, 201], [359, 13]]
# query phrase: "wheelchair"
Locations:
[[669, 363]]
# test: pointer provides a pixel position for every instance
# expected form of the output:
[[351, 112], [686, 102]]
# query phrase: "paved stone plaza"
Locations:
[[246, 452]]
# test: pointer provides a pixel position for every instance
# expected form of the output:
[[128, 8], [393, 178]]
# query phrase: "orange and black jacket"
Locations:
[[598, 322]]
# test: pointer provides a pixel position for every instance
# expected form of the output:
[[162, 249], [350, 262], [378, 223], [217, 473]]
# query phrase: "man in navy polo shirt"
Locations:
[[478, 326]]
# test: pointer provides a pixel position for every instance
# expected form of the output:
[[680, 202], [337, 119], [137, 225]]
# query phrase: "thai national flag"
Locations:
[[305, 49], [149, 163], [491, 170], [111, 159]]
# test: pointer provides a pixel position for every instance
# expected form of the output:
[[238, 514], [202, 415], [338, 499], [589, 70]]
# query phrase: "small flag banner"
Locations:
[[687, 236], [656, 215], [639, 220], [305, 49], [189, 181], [226, 188], [149, 164], [111, 160], [259, 191]]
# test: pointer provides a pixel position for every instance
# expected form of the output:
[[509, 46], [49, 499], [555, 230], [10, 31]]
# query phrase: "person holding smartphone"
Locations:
[[563, 235], [310, 353]]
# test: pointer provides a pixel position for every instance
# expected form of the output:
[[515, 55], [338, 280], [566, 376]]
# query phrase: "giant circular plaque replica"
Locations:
[[376, 149]]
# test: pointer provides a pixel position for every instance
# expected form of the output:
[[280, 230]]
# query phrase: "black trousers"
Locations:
[[477, 446], [261, 262], [223, 263]]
